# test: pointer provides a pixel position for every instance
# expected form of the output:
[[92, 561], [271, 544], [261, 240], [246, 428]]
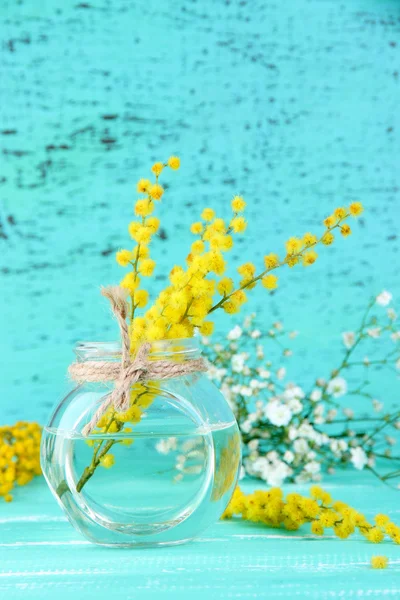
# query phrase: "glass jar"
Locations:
[[159, 473]]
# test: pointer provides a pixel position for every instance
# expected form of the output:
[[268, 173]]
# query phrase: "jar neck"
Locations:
[[182, 349]]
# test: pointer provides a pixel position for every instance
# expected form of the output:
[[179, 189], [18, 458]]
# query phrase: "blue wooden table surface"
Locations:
[[42, 557]]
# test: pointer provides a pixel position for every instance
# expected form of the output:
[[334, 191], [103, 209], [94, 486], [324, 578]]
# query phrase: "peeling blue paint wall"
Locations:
[[293, 104]]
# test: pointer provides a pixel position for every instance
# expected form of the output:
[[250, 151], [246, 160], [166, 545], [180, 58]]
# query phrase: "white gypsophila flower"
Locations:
[[233, 346], [263, 373], [205, 340], [166, 445], [254, 384], [348, 413], [331, 414], [278, 325], [390, 440], [293, 432], [395, 336], [338, 447], [303, 477], [246, 370], [253, 444], [246, 425], [311, 455], [384, 298], [318, 414], [398, 364], [378, 406], [320, 382], [349, 338], [260, 350], [246, 391], [366, 361], [235, 333], [216, 373], [287, 352], [218, 348], [337, 387], [277, 474], [358, 458], [293, 391], [272, 456], [312, 467], [255, 334], [315, 395], [271, 469], [300, 446], [293, 334], [391, 313], [295, 406], [281, 372], [278, 414], [288, 456], [237, 362], [374, 332]]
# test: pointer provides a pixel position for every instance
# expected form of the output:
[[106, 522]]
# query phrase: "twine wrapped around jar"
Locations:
[[130, 370]]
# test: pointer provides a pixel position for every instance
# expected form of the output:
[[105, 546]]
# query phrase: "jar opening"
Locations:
[[187, 348]]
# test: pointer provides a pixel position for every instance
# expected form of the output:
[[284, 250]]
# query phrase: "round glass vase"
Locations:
[[160, 473]]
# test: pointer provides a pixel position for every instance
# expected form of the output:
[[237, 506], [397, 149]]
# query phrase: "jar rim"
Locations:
[[184, 347]]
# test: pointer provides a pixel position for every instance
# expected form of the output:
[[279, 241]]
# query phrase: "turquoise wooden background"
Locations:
[[293, 104]]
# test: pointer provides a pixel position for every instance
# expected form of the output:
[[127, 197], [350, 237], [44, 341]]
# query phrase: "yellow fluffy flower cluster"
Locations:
[[201, 286], [19, 456], [320, 510]]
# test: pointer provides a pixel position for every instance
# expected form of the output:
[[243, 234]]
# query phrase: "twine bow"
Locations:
[[129, 371]]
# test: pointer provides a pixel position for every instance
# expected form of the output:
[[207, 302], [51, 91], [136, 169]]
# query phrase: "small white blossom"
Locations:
[[349, 338], [293, 334], [264, 374], [391, 313], [315, 395], [278, 414], [295, 406], [348, 413], [378, 406], [255, 334], [281, 373], [358, 458], [390, 440], [331, 414], [395, 336], [165, 446], [293, 391], [384, 298], [288, 456], [300, 446], [374, 332], [237, 362], [337, 387], [312, 467], [253, 444], [235, 333], [245, 391]]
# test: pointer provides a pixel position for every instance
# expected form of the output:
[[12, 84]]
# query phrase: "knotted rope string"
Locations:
[[129, 371]]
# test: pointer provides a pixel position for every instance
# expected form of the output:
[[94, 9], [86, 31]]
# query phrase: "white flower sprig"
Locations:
[[292, 434]]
